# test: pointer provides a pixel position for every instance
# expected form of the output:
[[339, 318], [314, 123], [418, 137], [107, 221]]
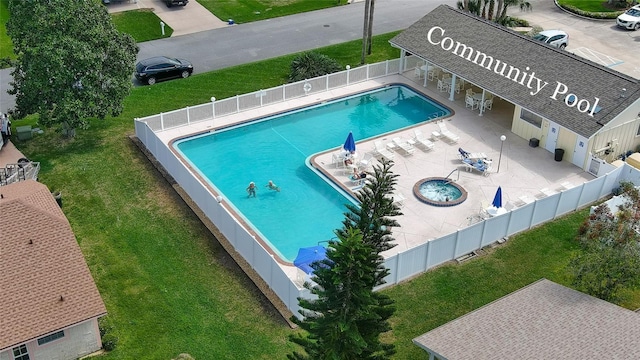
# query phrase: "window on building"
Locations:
[[531, 118], [20, 353], [49, 338]]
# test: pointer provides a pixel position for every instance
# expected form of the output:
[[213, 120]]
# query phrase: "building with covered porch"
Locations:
[[585, 113]]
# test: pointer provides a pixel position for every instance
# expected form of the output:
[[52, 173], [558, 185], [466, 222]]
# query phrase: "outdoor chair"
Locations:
[[381, 151], [462, 154], [451, 137], [480, 165], [470, 102], [422, 141], [403, 145], [487, 105], [443, 86]]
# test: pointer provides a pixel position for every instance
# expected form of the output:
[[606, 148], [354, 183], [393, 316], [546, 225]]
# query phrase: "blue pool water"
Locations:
[[308, 208]]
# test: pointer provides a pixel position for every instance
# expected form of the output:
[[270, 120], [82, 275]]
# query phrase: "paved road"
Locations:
[[239, 44]]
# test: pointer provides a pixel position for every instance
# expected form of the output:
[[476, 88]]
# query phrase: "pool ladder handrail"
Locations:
[[452, 171]]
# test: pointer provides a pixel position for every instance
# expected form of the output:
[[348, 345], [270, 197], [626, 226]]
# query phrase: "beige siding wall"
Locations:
[[622, 131], [567, 141], [523, 128], [78, 341]]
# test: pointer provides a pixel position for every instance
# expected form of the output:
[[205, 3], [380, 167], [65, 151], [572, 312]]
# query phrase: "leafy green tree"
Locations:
[[348, 317], [610, 256], [72, 64], [311, 64]]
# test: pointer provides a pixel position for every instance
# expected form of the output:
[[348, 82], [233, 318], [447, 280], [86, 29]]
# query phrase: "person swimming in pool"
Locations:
[[272, 186], [251, 189]]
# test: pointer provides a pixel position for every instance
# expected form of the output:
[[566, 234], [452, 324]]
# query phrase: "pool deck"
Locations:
[[524, 170]]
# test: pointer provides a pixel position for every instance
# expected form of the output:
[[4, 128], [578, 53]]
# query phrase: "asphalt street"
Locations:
[[239, 44]]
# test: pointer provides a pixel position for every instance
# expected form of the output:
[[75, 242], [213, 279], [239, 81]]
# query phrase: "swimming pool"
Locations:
[[308, 208]]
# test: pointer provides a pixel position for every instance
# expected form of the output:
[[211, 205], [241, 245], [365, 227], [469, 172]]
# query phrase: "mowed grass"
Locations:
[[142, 25], [6, 46], [243, 11], [168, 285], [589, 5]]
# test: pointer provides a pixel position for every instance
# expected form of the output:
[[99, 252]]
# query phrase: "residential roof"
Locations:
[[46, 284], [543, 320], [586, 79]]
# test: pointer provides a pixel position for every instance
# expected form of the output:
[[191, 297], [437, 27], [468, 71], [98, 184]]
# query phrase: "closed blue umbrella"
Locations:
[[309, 255], [497, 199], [350, 144]]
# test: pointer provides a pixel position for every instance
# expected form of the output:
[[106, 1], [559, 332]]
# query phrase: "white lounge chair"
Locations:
[[403, 145], [422, 141], [381, 151], [451, 137]]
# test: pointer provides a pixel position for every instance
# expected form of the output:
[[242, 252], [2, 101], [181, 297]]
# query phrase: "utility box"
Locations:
[[24, 132]]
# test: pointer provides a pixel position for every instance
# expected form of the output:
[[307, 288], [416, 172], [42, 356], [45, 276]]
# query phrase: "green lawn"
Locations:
[[142, 25], [243, 11], [6, 47], [168, 285], [589, 5]]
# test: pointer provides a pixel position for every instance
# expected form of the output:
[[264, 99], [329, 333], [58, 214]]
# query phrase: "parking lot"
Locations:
[[599, 40]]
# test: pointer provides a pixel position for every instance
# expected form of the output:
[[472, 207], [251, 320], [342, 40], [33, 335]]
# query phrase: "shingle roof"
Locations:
[[40, 262], [586, 79], [544, 320]]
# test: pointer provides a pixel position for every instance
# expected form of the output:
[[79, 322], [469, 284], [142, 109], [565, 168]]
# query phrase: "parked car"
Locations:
[[630, 19], [171, 3], [162, 68], [557, 38]]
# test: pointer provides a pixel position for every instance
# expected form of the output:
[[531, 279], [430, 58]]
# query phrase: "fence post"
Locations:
[[213, 107], [237, 103], [188, 116], [348, 68], [161, 121]]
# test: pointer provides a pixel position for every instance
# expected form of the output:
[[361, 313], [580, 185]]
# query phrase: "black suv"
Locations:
[[161, 67], [171, 3]]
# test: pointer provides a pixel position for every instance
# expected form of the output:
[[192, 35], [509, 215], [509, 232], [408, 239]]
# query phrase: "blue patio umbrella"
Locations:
[[309, 255], [350, 144], [497, 199]]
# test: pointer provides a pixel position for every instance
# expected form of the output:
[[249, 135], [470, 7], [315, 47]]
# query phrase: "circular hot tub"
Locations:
[[439, 191]]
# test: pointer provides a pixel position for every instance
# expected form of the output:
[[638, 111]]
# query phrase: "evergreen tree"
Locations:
[[347, 318], [344, 300]]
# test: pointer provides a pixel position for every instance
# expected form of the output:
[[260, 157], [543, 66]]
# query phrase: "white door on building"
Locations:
[[579, 152], [552, 137]]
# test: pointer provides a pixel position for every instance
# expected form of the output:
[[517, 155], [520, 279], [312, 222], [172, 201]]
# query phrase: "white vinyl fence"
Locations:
[[402, 265]]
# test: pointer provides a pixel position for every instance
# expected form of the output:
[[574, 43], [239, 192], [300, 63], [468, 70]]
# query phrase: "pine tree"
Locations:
[[344, 300], [347, 318]]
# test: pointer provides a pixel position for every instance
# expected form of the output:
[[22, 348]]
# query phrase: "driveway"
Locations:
[[183, 19]]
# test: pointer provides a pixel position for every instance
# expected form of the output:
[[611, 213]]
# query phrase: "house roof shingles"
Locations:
[[586, 79], [544, 320], [40, 261]]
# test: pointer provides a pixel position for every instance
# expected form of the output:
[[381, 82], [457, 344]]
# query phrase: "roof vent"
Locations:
[[61, 298], [30, 241], [623, 93]]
